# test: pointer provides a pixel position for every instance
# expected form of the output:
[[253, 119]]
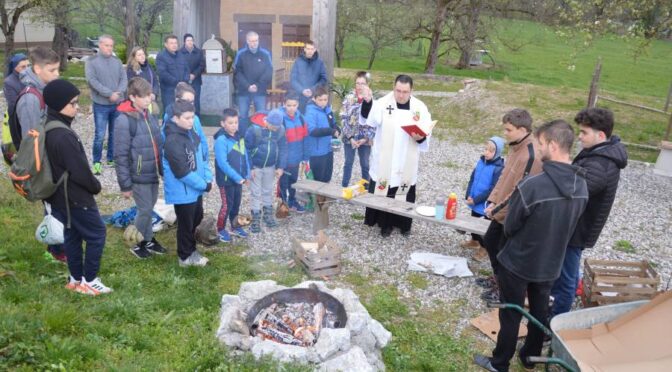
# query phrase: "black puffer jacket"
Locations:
[[603, 163], [137, 155]]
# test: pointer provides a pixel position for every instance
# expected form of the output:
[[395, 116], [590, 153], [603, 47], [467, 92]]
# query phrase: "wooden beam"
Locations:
[[323, 32]]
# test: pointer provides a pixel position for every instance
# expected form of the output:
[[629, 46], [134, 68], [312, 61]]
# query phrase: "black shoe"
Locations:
[[487, 283], [385, 232], [491, 295], [155, 247], [140, 251], [527, 366], [484, 362], [406, 233]]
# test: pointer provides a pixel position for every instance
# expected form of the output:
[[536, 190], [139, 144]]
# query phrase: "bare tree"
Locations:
[[385, 25], [348, 20], [9, 16]]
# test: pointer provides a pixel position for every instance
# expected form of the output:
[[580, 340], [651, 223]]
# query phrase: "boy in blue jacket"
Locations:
[[232, 168], [296, 132], [267, 146], [322, 129], [483, 179], [185, 179]]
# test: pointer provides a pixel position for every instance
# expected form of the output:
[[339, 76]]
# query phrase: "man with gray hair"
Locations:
[[252, 77], [107, 80]]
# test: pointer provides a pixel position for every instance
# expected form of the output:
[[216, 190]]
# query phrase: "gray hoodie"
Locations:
[[28, 106], [105, 75]]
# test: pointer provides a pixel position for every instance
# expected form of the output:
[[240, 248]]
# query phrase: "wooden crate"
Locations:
[[609, 282], [323, 263]]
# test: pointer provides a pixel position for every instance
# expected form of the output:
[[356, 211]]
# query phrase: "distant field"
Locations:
[[544, 60]]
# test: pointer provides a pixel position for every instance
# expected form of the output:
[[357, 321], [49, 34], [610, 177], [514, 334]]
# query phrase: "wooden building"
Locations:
[[282, 25]]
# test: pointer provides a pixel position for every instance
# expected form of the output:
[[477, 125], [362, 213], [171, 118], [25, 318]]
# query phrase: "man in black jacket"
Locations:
[[66, 154], [603, 156], [252, 77], [543, 213], [195, 59]]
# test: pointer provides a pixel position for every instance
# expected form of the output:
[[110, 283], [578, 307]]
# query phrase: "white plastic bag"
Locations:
[[439, 264], [50, 230]]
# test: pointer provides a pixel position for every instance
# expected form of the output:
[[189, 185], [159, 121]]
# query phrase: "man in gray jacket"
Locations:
[[107, 79]]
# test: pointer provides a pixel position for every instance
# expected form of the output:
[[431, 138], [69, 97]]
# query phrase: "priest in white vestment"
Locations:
[[395, 153]]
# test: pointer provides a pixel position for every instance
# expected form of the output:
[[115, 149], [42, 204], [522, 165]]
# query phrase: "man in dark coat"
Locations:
[[308, 73], [543, 213], [195, 59], [172, 69], [253, 76], [603, 156]]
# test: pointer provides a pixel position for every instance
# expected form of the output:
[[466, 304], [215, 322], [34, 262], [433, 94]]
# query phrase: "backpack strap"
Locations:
[[54, 124], [14, 124]]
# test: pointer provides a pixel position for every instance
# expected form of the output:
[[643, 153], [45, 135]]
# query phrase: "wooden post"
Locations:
[[669, 129], [323, 32], [669, 97], [594, 84]]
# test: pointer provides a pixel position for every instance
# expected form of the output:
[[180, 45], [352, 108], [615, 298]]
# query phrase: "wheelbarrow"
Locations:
[[559, 354]]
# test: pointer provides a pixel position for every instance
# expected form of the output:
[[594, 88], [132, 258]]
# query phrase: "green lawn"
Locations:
[[162, 317]]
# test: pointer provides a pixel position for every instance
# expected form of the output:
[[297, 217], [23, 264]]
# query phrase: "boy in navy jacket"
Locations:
[[322, 129], [232, 168], [267, 146], [296, 132]]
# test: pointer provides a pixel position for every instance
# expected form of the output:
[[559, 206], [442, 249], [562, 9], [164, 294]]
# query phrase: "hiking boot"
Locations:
[[486, 283], [526, 365], [239, 232], [154, 247], [224, 236], [269, 219], [72, 284], [481, 255], [140, 251], [111, 163], [484, 362], [255, 226], [294, 206], [491, 295], [471, 243], [93, 288], [195, 259], [97, 168]]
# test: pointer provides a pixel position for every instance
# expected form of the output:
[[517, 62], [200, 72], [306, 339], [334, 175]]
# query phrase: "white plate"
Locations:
[[425, 210]]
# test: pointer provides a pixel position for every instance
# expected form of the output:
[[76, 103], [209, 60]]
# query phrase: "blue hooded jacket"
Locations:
[[232, 163], [485, 176], [296, 132], [185, 169], [266, 148], [321, 125]]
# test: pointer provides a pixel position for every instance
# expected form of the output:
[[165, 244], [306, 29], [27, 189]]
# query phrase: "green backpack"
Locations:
[[31, 173]]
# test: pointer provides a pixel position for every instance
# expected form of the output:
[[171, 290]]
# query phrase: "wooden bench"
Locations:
[[333, 192]]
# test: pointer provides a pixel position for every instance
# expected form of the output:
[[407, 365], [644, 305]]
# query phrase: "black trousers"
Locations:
[[512, 289], [494, 241], [322, 167], [85, 226], [386, 219], [189, 216], [476, 237]]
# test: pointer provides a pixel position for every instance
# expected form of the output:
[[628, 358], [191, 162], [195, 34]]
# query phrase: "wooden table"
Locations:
[[334, 192]]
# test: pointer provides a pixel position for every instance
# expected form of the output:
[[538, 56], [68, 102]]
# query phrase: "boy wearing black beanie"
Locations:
[[66, 154]]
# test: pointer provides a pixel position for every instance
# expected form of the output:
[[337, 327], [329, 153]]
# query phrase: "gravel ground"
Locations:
[[642, 215]]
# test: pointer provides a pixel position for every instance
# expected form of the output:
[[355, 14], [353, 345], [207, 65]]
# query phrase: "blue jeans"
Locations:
[[103, 118], [86, 225], [244, 101], [564, 288], [364, 153]]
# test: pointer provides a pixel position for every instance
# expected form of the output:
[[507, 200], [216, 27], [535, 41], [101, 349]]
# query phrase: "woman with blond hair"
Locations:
[[138, 66]]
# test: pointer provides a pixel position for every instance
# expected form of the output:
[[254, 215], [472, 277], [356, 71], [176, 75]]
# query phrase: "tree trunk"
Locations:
[[9, 45], [128, 8], [470, 34], [435, 40], [372, 57], [60, 44]]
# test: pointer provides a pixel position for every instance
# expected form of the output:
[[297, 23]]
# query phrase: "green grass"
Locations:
[[625, 246]]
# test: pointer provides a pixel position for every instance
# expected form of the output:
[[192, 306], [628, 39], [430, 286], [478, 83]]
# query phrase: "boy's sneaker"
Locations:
[[72, 284], [111, 163], [97, 168], [224, 236], [140, 251], [255, 226], [195, 259], [239, 232], [154, 247], [269, 219], [93, 288], [296, 207]]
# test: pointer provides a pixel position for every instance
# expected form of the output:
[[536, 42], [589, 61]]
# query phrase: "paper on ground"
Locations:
[[439, 264]]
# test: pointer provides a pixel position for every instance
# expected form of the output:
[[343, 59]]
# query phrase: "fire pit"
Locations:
[[295, 316], [309, 323]]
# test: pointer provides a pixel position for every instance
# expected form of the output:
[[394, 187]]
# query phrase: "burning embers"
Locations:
[[296, 324]]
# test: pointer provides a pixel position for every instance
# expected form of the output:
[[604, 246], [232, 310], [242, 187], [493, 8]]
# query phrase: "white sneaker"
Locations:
[[93, 288], [195, 259], [72, 284]]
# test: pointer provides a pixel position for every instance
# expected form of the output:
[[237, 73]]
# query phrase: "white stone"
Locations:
[[331, 341], [283, 353], [352, 361], [382, 335], [254, 291], [236, 340], [357, 322], [351, 302], [230, 311], [319, 284], [228, 300], [366, 340]]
